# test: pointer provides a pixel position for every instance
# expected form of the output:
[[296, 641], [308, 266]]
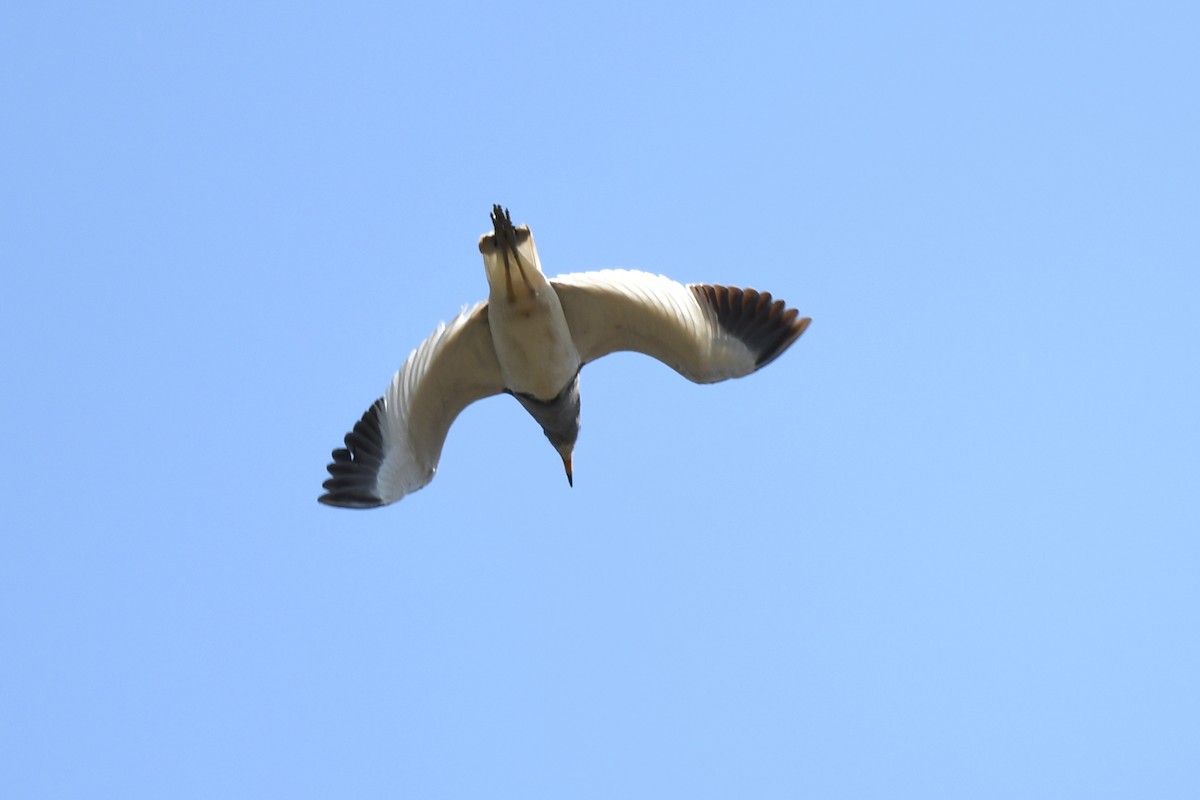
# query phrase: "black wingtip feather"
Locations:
[[766, 326], [355, 468]]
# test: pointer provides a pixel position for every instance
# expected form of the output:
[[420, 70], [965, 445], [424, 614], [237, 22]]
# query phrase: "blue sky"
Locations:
[[945, 547]]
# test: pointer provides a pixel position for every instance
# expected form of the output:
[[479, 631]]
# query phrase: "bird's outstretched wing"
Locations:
[[704, 332], [394, 449]]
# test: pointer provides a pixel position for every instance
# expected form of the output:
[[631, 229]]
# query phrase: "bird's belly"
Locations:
[[534, 346]]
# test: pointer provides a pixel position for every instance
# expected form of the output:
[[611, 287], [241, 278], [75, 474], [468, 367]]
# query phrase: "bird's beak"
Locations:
[[569, 467]]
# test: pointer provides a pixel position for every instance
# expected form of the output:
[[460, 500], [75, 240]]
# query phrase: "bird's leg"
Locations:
[[507, 276], [521, 269], [506, 240]]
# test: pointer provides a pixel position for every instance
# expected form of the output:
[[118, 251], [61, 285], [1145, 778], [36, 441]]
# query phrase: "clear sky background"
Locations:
[[945, 547]]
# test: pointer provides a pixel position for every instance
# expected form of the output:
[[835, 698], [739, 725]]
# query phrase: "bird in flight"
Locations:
[[529, 339]]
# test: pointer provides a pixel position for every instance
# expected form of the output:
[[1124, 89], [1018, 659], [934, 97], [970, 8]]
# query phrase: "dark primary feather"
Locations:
[[767, 328], [355, 467]]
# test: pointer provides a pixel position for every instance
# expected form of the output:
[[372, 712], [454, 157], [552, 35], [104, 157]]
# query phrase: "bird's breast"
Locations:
[[533, 343]]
